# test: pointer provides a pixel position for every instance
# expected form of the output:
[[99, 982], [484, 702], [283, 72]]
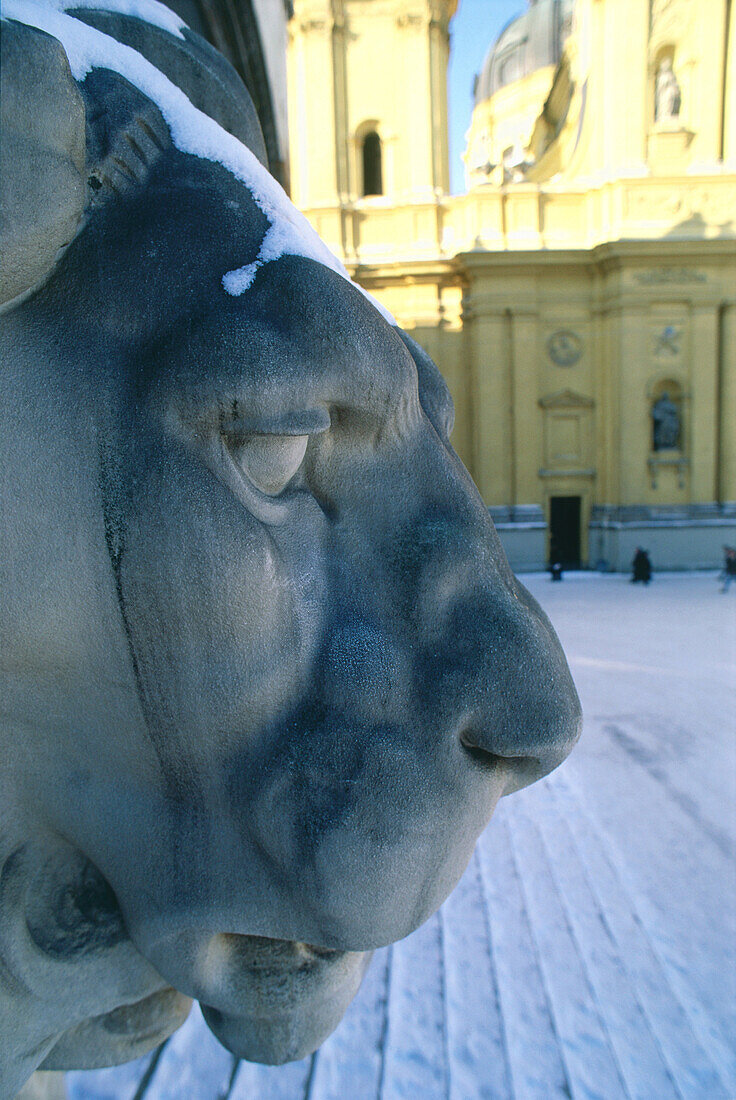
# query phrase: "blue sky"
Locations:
[[476, 25]]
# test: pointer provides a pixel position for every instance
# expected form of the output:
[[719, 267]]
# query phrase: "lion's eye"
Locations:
[[268, 461]]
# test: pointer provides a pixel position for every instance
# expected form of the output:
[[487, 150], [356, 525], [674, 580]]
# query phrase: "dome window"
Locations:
[[372, 164]]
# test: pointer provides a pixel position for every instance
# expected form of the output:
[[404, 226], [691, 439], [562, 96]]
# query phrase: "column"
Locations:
[[490, 405], [526, 437], [727, 405], [703, 411]]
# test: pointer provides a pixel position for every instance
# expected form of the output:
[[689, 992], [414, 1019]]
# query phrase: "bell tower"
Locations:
[[367, 89]]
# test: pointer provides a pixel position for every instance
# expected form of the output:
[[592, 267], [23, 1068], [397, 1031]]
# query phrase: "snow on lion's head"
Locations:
[[265, 669]]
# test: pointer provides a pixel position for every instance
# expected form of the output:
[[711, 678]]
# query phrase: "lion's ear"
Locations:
[[42, 156]]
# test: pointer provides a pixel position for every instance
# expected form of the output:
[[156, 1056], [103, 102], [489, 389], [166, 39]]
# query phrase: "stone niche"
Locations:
[[668, 438]]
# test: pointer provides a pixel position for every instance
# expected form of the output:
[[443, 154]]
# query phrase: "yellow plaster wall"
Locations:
[[623, 231], [528, 428], [355, 65]]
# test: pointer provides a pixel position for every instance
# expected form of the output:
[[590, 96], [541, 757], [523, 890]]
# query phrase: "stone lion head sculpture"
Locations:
[[265, 669]]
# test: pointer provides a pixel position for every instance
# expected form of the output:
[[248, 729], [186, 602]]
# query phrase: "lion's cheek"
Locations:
[[222, 611]]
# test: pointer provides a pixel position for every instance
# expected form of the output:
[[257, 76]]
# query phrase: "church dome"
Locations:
[[529, 42]]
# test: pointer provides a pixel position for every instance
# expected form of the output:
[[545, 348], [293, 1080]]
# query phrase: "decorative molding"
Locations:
[[670, 19], [663, 515], [664, 379], [566, 399], [565, 347], [590, 472], [407, 20], [528, 517], [706, 203], [670, 276], [676, 460], [308, 26], [667, 342]]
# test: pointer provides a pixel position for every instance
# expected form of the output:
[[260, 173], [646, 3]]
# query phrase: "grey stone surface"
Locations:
[[265, 669], [588, 949]]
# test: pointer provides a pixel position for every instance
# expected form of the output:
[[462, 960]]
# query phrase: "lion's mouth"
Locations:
[[263, 955], [273, 1000], [259, 975]]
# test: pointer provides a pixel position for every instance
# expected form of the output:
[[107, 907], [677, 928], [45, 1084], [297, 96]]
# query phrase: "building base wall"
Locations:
[[691, 537]]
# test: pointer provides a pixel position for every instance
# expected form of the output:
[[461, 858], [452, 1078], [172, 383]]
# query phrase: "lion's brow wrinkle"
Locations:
[[151, 133], [136, 148]]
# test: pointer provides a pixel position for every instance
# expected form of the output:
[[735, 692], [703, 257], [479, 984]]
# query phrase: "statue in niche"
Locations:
[[665, 424], [265, 669], [667, 93]]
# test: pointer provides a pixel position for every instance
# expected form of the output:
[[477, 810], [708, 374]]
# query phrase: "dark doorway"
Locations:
[[372, 166], [564, 531]]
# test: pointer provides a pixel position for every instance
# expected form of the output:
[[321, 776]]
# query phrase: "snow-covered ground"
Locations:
[[589, 950]]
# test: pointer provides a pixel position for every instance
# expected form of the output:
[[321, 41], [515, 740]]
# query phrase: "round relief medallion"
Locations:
[[565, 347]]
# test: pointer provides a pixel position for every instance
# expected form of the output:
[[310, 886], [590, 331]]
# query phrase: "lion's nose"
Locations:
[[503, 683], [526, 714], [524, 756]]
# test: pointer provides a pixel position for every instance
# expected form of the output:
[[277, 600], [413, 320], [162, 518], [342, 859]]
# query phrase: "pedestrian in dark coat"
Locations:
[[641, 567], [728, 573]]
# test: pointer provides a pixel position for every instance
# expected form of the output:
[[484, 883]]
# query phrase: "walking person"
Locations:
[[728, 573], [641, 567]]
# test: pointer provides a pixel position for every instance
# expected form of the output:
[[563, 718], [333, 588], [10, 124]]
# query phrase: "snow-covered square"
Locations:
[[589, 949]]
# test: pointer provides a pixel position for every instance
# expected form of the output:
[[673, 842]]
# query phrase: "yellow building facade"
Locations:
[[580, 296]]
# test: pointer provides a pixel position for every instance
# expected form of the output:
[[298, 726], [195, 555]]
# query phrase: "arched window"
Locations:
[[372, 166]]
